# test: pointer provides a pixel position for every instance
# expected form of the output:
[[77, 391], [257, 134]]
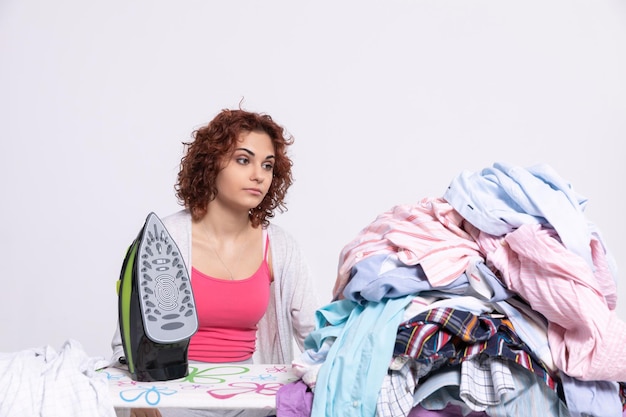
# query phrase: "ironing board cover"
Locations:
[[208, 386]]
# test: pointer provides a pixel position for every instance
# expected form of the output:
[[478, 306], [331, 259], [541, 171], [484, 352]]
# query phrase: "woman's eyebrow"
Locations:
[[248, 151], [245, 150]]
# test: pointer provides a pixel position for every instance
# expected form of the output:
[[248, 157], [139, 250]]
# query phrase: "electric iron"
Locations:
[[156, 307]]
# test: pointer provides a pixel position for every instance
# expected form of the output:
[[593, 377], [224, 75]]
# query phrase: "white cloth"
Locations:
[[46, 383]]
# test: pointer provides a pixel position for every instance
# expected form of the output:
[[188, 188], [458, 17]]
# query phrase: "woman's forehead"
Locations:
[[259, 143]]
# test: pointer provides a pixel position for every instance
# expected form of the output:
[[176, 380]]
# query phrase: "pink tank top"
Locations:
[[228, 313]]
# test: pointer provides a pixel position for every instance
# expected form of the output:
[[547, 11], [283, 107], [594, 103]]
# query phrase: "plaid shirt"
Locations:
[[447, 336]]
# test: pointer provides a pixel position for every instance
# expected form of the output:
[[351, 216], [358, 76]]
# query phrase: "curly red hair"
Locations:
[[216, 141]]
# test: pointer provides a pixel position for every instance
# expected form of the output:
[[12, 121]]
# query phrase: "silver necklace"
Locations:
[[223, 264], [219, 258]]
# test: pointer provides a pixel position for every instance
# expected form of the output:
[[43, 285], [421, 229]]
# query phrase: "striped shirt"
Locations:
[[587, 338], [428, 233]]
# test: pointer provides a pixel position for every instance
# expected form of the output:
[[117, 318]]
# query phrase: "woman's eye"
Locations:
[[268, 167], [242, 160]]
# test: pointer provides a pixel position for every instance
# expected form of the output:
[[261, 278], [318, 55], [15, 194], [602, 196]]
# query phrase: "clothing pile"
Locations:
[[49, 383], [496, 299]]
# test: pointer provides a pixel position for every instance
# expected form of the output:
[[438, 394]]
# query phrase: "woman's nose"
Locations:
[[257, 174]]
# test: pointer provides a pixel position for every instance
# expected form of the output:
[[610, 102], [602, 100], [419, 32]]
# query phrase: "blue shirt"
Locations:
[[501, 198]]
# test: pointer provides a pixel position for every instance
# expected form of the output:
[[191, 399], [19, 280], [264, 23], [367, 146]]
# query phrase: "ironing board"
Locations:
[[208, 386]]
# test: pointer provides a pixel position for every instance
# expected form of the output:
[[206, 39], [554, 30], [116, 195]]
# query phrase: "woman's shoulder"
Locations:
[[282, 240], [279, 233], [179, 216], [180, 220]]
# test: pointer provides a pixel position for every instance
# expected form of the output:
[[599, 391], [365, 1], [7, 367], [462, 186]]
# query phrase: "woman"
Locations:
[[253, 292]]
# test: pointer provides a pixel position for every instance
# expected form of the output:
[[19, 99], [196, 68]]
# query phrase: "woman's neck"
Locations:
[[225, 225]]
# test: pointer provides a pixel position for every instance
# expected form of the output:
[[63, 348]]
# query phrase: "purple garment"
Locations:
[[294, 400]]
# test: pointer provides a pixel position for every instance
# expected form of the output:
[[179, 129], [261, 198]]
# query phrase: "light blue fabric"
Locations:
[[349, 380], [385, 276], [591, 398], [499, 199], [329, 322]]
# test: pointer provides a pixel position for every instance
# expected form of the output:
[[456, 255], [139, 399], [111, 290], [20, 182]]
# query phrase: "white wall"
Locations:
[[388, 101]]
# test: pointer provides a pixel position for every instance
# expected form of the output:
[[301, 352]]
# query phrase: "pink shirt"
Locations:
[[427, 233], [228, 314], [587, 338]]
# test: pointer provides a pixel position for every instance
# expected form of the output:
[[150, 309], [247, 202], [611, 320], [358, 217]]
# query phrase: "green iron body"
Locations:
[[156, 308]]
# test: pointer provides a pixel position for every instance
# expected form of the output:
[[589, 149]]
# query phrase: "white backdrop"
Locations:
[[387, 101]]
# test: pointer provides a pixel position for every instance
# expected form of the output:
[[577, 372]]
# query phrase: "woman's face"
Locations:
[[247, 174]]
